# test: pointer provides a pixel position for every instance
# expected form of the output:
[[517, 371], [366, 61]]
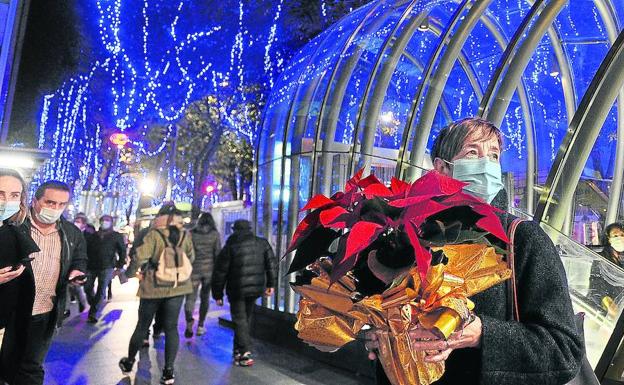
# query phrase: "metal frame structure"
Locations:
[[322, 96]]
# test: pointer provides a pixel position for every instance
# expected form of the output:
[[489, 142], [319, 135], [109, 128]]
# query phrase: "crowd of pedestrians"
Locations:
[[48, 259]]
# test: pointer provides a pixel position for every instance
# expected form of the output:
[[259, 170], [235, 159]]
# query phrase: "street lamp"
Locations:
[[119, 139], [148, 186]]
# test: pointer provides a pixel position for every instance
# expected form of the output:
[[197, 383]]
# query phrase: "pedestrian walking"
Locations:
[[61, 261], [106, 250], [165, 262], [207, 245], [247, 268], [17, 285]]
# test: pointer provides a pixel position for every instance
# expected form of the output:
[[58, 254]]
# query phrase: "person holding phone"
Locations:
[[17, 286], [62, 260]]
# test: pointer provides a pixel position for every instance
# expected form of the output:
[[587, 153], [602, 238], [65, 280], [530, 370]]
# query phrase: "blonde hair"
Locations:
[[18, 217]]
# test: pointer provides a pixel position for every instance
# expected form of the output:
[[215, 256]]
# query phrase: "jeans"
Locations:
[[204, 297], [23, 356], [170, 311], [241, 310], [104, 278]]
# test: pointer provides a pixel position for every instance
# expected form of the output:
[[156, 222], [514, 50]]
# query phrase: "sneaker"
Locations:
[[167, 377], [201, 331], [66, 313], [81, 307], [92, 319], [245, 360], [126, 364]]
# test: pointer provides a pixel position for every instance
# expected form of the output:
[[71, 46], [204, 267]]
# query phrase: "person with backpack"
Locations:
[[207, 245], [165, 261], [247, 268]]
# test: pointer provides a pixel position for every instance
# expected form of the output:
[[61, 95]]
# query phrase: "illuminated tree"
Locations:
[[233, 165]]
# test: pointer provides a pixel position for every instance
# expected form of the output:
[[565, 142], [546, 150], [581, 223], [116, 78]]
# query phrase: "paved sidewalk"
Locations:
[[88, 354]]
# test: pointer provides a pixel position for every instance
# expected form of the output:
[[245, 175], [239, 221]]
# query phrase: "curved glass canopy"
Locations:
[[374, 90]]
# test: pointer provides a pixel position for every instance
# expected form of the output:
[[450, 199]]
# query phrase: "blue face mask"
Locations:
[[484, 176], [8, 209]]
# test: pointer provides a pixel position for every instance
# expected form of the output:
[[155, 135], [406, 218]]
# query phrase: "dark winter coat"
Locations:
[[16, 296], [245, 267], [106, 250], [207, 245], [546, 347], [73, 257]]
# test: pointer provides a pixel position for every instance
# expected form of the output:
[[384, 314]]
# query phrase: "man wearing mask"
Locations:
[[106, 251], [60, 261]]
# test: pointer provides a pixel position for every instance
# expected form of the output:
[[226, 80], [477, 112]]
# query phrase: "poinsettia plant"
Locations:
[[400, 223]]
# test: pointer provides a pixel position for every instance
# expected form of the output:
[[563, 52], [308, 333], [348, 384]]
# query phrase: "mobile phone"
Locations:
[[78, 278]]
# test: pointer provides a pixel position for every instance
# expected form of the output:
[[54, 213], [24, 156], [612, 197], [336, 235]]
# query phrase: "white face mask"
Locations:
[[48, 216], [617, 243], [106, 225], [484, 176], [8, 209]]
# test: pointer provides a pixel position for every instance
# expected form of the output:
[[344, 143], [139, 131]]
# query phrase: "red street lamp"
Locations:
[[119, 139]]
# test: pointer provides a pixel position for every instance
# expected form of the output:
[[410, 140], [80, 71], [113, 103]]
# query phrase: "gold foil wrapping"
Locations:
[[328, 317]]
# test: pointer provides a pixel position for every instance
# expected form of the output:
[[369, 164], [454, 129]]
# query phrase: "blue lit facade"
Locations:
[[375, 89]]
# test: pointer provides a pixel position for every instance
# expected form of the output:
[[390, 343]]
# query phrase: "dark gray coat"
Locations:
[[545, 348], [207, 245]]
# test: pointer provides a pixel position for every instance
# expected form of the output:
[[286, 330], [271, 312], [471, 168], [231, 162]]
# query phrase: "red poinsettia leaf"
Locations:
[[318, 201], [338, 197], [369, 180], [398, 187], [465, 199], [341, 266], [421, 254], [336, 217], [377, 190], [490, 222], [362, 234], [410, 201], [418, 213], [436, 184], [305, 227], [352, 183]]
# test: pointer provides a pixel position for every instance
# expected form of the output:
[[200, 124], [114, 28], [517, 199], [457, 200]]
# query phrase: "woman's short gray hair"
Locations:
[[451, 138]]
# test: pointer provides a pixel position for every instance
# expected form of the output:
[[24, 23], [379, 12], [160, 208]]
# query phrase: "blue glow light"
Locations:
[[151, 60]]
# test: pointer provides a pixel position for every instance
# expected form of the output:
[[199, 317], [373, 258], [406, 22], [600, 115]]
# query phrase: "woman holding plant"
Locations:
[[544, 347]]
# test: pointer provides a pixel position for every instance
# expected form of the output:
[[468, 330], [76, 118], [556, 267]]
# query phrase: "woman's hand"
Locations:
[[371, 343], [437, 349], [7, 275]]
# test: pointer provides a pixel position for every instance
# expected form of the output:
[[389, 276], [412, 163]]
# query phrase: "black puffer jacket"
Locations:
[[207, 245], [105, 250], [245, 267]]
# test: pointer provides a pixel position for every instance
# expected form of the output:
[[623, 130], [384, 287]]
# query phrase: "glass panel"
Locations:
[[591, 278]]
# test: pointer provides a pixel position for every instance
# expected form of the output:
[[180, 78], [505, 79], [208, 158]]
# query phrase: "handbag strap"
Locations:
[[511, 262]]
